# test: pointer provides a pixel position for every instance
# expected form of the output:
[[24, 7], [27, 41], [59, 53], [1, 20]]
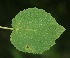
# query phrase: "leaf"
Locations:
[[35, 31]]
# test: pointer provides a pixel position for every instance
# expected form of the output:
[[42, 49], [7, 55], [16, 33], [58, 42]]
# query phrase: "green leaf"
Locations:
[[35, 31]]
